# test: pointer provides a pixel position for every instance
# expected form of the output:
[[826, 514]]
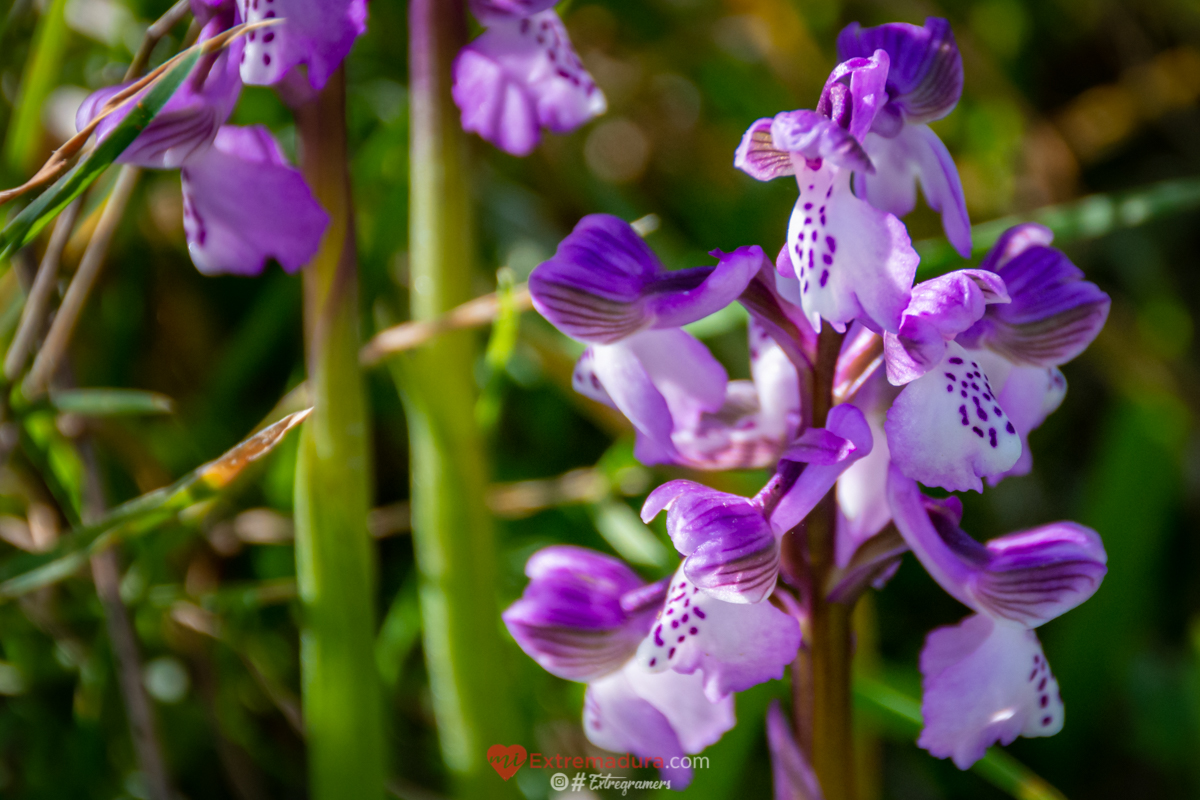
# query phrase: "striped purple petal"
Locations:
[[925, 78]]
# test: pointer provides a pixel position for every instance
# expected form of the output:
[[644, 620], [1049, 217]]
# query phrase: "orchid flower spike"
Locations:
[[522, 75], [924, 83], [986, 680], [846, 260]]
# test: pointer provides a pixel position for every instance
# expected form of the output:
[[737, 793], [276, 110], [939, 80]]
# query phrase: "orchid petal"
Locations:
[[916, 154], [659, 716], [734, 645], [243, 204], [604, 284], [520, 76], [1030, 394], [855, 110], [862, 495], [315, 33], [947, 428], [489, 11], [1013, 242], [1034, 576], [731, 551], [187, 124], [853, 261], [1054, 314], [570, 619], [925, 76], [757, 155], [940, 309], [811, 135], [846, 423], [985, 682]]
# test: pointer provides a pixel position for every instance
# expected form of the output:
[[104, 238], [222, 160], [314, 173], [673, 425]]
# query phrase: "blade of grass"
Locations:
[[141, 515], [997, 767], [45, 58], [1087, 218], [110, 402]]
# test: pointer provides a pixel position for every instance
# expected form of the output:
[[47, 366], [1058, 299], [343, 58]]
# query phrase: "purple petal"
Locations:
[[570, 618], [755, 421], [1013, 242], [594, 287], [757, 155], [810, 135], [734, 645], [953, 567], [315, 33], [853, 261], [925, 78], [949, 429], [1054, 314], [520, 76], [1029, 395], [792, 775], [846, 422], [731, 551], [985, 682], [940, 309], [677, 300], [663, 381], [1036, 575], [243, 205], [916, 154], [782, 319], [661, 716], [489, 11], [865, 77], [187, 124], [862, 495], [204, 10], [604, 284]]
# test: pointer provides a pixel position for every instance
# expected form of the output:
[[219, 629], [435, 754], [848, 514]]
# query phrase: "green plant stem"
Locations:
[[829, 623], [335, 571], [452, 530]]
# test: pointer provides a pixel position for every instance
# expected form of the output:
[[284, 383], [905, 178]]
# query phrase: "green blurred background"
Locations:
[[1063, 99]]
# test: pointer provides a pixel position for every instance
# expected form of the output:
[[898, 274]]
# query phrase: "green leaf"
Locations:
[[41, 211], [141, 515], [111, 402], [903, 714]]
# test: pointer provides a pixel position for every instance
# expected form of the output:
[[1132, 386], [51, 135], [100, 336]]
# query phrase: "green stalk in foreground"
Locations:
[[452, 529], [334, 569]]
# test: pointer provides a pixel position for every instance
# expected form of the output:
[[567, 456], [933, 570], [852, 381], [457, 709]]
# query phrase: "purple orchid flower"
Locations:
[[731, 544], [924, 84], [522, 75], [986, 680], [661, 661], [244, 204], [315, 34], [947, 427], [683, 407], [846, 260]]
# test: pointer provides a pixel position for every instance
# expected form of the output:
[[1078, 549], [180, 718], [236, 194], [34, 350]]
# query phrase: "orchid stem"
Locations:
[[335, 572], [829, 648], [452, 528]]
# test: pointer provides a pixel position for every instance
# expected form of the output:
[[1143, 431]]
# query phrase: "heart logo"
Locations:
[[506, 760]]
